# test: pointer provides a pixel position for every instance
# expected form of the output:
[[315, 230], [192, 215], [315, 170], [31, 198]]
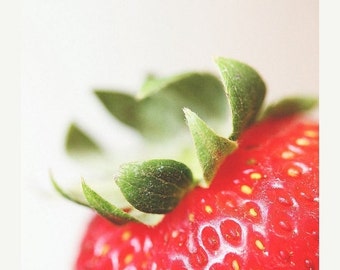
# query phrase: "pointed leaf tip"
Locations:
[[104, 208], [68, 195], [211, 149], [245, 90], [78, 143]]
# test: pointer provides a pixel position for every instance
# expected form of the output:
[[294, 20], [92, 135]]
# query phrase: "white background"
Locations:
[[70, 47]]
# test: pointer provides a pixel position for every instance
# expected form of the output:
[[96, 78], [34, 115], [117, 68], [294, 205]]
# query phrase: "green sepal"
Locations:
[[156, 110], [289, 106], [104, 208], [245, 90], [154, 186], [96, 202], [74, 197], [211, 149], [78, 143]]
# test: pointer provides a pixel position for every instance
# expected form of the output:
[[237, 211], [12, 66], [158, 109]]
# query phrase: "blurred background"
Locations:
[[71, 47]]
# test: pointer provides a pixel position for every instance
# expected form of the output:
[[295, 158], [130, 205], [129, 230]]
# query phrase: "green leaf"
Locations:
[[78, 143], [211, 149], [120, 105], [289, 106], [245, 90], [155, 186], [104, 208], [156, 111]]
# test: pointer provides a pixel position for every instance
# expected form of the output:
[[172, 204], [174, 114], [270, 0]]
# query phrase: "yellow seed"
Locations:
[[128, 258], [255, 176], [302, 142], [191, 217], [104, 250], [126, 235], [235, 265], [252, 212], [208, 209], [311, 133], [259, 244], [287, 154], [251, 161], [246, 189], [293, 172]]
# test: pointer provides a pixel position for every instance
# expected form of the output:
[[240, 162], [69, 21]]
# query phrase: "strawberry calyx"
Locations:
[[155, 187]]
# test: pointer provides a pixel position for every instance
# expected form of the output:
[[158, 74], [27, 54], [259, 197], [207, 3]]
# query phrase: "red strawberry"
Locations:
[[260, 212], [108, 246], [256, 206]]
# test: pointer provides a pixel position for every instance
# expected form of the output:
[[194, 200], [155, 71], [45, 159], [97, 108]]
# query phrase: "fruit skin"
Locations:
[[260, 212]]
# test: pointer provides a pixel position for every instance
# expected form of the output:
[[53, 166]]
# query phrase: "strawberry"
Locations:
[[255, 204]]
